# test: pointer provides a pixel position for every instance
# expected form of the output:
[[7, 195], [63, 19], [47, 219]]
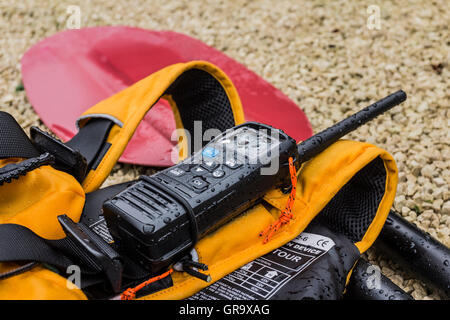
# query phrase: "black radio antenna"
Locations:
[[319, 142]]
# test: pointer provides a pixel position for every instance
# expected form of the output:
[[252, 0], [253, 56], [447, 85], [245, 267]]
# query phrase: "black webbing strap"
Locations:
[[14, 143], [18, 270], [20, 244], [79, 155], [90, 141]]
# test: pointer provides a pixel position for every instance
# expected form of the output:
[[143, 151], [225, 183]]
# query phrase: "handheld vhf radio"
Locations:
[[157, 220], [162, 215]]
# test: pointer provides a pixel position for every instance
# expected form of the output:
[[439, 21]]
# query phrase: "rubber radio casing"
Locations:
[[160, 218]]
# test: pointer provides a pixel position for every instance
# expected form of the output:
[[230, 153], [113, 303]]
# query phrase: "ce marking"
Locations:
[[322, 243]]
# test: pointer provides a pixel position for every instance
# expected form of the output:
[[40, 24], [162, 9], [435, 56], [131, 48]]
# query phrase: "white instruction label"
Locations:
[[262, 278], [101, 229]]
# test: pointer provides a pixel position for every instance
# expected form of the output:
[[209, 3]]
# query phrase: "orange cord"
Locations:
[[286, 214], [130, 293]]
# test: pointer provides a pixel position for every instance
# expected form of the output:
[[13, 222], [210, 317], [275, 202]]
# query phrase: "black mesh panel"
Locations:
[[14, 143], [353, 208], [199, 96]]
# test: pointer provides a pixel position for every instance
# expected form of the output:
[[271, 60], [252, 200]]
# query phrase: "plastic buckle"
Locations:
[[15, 170], [66, 158], [190, 265], [89, 243]]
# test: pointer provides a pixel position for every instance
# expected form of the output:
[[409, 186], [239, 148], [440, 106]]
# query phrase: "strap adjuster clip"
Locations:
[[96, 249], [66, 158]]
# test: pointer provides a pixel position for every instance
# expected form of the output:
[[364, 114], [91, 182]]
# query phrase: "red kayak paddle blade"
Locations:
[[71, 71]]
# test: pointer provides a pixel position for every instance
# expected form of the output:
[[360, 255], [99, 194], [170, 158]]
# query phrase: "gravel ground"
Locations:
[[323, 55]]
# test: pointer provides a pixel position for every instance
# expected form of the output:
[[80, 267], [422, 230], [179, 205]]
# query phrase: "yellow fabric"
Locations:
[[238, 242], [130, 105], [37, 284], [36, 199]]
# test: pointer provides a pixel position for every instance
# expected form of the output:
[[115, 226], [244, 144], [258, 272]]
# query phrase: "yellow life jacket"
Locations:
[[346, 171]]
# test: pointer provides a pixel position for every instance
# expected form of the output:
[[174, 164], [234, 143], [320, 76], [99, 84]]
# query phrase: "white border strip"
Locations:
[[99, 115]]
